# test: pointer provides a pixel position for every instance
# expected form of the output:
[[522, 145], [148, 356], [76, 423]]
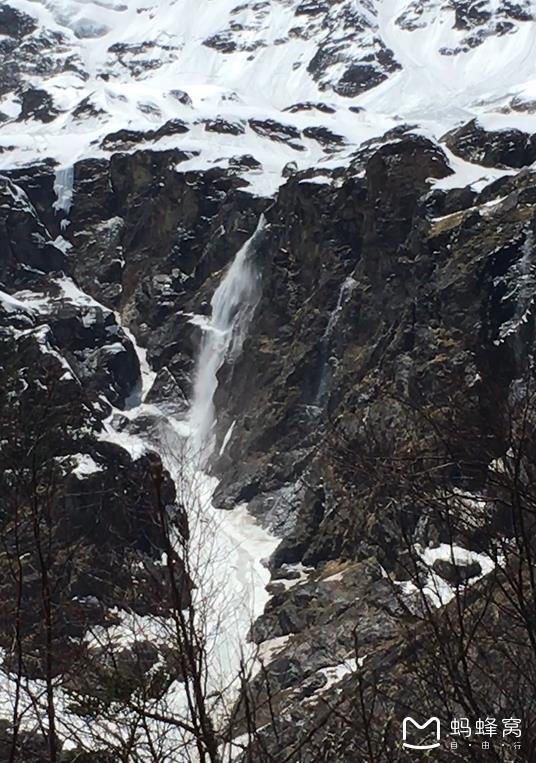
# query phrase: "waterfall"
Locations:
[[232, 546], [519, 285], [233, 305], [226, 548], [63, 188], [345, 292]]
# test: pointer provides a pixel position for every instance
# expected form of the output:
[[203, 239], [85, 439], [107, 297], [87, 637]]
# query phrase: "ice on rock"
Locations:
[[63, 188]]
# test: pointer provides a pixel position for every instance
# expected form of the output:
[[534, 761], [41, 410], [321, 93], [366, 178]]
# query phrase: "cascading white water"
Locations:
[[233, 305], [226, 548], [347, 287], [345, 292]]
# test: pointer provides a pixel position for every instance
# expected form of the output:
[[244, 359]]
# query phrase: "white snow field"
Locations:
[[136, 65]]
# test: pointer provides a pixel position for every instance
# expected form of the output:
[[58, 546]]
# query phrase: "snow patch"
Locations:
[[85, 465]]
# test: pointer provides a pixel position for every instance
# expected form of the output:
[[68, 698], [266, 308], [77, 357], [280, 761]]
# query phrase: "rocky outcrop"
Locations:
[[122, 138], [320, 235], [311, 349], [37, 104], [28, 246], [492, 148], [69, 494], [155, 237], [15, 24]]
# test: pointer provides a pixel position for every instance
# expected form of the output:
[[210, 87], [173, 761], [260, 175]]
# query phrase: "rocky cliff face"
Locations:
[[383, 301], [378, 415], [413, 317]]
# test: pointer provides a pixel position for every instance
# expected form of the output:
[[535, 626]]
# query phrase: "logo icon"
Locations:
[[433, 722]]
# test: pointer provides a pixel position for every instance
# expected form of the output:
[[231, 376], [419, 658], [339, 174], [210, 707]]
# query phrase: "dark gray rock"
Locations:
[[457, 574], [37, 104], [508, 148], [26, 240], [14, 23], [224, 127]]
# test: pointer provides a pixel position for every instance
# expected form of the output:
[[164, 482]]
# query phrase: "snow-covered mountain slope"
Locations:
[[301, 81]]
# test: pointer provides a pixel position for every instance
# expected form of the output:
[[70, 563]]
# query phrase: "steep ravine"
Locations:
[[228, 550]]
